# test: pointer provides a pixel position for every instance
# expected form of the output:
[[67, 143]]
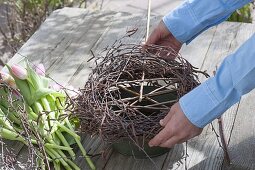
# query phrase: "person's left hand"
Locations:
[[177, 129]]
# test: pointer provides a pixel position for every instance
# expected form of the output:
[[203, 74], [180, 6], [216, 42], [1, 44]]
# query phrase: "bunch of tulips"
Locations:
[[26, 90]]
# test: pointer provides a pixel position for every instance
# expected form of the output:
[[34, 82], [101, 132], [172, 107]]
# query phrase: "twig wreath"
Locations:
[[131, 89]]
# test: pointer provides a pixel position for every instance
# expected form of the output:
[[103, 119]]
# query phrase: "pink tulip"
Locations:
[[19, 72], [40, 69]]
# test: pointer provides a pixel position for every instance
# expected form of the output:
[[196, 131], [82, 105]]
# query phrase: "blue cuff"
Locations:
[[234, 78], [212, 98], [180, 22], [197, 111]]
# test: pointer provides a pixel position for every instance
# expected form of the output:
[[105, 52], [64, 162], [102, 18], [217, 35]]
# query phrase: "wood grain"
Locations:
[[64, 41], [241, 144]]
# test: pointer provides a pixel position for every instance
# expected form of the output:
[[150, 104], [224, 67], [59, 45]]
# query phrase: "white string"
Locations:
[[148, 20]]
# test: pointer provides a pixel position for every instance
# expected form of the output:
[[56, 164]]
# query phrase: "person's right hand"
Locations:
[[177, 129], [161, 36]]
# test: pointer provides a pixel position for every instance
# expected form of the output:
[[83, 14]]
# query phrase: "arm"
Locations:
[[190, 19], [234, 78], [194, 16]]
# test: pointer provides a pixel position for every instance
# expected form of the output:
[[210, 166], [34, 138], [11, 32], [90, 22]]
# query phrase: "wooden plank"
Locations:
[[37, 47], [117, 30], [159, 7], [119, 161], [241, 144], [23, 161], [64, 41], [9, 148], [196, 51], [204, 151]]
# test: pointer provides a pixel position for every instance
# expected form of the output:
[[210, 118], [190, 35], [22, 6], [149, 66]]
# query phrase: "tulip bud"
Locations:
[[6, 78], [19, 72], [40, 69]]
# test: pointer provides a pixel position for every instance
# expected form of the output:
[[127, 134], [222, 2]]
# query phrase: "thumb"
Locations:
[[153, 38]]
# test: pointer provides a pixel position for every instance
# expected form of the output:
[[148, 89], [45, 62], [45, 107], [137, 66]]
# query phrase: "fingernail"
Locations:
[[150, 144], [161, 122]]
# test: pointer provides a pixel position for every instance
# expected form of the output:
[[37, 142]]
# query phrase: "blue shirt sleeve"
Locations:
[[194, 16], [234, 78]]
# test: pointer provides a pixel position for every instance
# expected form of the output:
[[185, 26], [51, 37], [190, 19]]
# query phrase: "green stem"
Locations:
[[41, 163], [13, 118], [4, 121], [11, 115], [31, 114], [71, 132], [53, 157], [43, 125], [65, 143], [89, 161], [56, 166], [72, 164], [10, 135], [60, 106], [67, 167], [51, 114], [52, 102], [53, 146], [68, 160]]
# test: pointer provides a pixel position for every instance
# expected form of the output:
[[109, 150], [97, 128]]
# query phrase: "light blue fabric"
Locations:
[[234, 78], [236, 75], [194, 16]]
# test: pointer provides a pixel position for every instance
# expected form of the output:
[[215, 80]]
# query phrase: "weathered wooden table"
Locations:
[[63, 44]]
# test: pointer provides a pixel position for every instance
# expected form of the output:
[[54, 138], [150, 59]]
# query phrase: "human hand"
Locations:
[[177, 129], [161, 36]]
